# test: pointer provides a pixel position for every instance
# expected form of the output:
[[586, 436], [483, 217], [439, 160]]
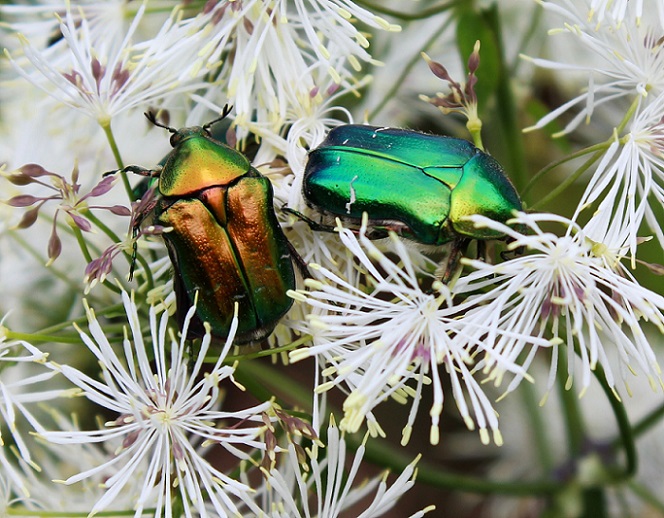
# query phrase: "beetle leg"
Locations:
[[506, 255], [481, 250], [299, 262], [136, 169], [453, 266], [313, 225]]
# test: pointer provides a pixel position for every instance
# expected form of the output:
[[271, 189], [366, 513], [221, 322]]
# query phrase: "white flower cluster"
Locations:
[[187, 427]]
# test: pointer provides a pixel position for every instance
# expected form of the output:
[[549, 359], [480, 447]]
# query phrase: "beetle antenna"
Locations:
[[152, 117], [224, 113]]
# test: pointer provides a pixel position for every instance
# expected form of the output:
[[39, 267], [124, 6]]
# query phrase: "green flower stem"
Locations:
[[603, 146], [594, 503], [82, 243], [34, 338], [646, 423], [118, 159], [115, 238], [626, 435], [575, 427], [40, 259], [647, 496], [538, 429], [506, 105], [391, 93], [101, 225], [476, 134], [572, 178], [567, 182], [628, 114], [149, 279], [263, 381], [69, 514], [88, 257], [382, 453], [534, 28], [115, 309], [400, 15], [262, 354], [259, 377], [139, 258]]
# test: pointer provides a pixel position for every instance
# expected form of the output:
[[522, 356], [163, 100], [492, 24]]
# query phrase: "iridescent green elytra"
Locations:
[[226, 243], [421, 186]]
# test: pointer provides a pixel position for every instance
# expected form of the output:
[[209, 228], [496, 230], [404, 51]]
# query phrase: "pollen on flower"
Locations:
[[353, 412], [299, 354], [406, 434], [324, 387]]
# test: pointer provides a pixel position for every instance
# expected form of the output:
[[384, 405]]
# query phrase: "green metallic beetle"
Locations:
[[420, 186], [226, 244]]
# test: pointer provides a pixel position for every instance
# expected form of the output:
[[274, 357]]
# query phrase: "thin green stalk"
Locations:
[[648, 421], [40, 259], [69, 514], [400, 15], [258, 377], [534, 28], [80, 320], [647, 496], [380, 452], [624, 427], [118, 159], [139, 258], [538, 430], [603, 146], [594, 503], [574, 425], [268, 352], [506, 105], [83, 245], [571, 179], [149, 279], [42, 338], [101, 225], [391, 93], [567, 182], [628, 114]]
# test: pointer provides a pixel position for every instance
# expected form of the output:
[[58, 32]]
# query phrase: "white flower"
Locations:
[[615, 9], [17, 390], [374, 340], [168, 418], [107, 20], [564, 290], [619, 59], [287, 492], [105, 77], [44, 492], [629, 181], [273, 56]]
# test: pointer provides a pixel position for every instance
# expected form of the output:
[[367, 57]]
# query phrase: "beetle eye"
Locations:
[[175, 139]]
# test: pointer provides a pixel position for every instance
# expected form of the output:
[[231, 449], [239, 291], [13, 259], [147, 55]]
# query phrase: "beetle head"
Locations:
[[178, 136]]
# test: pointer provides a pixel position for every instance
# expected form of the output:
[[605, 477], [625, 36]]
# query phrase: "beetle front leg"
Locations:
[[136, 169], [313, 225]]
